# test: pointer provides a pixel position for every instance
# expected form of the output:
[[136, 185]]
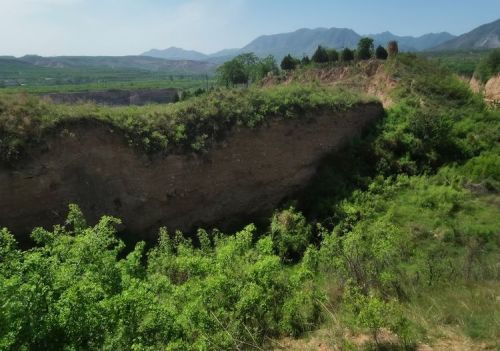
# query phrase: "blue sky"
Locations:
[[125, 27]]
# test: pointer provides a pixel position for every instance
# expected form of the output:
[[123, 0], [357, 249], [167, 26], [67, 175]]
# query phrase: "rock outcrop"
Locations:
[[247, 174]]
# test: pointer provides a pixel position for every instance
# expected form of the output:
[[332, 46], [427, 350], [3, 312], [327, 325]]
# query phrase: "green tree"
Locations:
[[305, 60], [347, 55], [381, 53], [245, 68], [489, 66], [333, 55], [288, 63], [263, 67], [320, 55], [291, 233], [232, 73], [365, 48]]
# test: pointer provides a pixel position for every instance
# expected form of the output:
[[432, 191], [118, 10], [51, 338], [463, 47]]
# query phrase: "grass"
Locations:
[[470, 309]]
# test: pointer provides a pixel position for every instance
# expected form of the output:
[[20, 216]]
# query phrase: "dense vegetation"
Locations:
[[245, 69], [462, 62], [189, 125], [489, 66], [398, 234]]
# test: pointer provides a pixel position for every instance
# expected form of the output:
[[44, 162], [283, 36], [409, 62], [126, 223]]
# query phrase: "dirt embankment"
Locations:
[[117, 97], [369, 77], [491, 89], [247, 174]]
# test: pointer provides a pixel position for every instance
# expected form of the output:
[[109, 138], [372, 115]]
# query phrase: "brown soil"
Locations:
[[492, 89], [368, 77], [246, 175]]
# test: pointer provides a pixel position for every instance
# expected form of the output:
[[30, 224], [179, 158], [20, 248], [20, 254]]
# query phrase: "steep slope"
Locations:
[[248, 174], [209, 160], [486, 36]]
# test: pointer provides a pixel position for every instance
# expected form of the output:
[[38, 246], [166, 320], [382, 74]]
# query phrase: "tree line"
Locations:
[[248, 68]]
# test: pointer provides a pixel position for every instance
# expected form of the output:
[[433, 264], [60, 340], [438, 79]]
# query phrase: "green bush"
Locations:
[[347, 55], [76, 290], [320, 55], [489, 66], [291, 234]]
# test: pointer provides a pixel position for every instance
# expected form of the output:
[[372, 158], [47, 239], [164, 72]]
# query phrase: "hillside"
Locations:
[[302, 41], [390, 241], [486, 36]]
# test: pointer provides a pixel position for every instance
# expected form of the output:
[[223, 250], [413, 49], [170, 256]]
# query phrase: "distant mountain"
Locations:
[[486, 36], [409, 43], [302, 42], [173, 53], [122, 62], [224, 53], [305, 42]]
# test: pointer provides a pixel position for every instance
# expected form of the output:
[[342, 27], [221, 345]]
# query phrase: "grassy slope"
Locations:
[[412, 213], [405, 251]]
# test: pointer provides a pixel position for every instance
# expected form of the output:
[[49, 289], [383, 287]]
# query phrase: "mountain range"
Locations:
[[486, 36], [305, 41]]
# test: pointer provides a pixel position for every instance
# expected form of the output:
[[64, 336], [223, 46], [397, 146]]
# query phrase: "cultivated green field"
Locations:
[[66, 74]]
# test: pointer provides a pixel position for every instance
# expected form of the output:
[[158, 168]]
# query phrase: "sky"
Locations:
[[130, 27]]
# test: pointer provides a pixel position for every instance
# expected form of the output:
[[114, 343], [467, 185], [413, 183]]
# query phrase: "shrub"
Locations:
[[291, 234], [347, 55], [381, 53], [77, 290], [365, 49], [288, 63], [333, 55], [320, 55], [489, 66]]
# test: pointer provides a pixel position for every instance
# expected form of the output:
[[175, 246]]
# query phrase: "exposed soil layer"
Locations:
[[492, 89], [117, 97], [369, 77], [247, 174]]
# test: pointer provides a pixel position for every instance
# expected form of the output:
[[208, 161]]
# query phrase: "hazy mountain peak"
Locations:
[[175, 53], [486, 36]]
